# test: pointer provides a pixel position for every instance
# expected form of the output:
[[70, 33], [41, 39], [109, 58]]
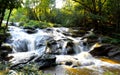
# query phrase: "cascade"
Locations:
[[56, 41], [23, 42]]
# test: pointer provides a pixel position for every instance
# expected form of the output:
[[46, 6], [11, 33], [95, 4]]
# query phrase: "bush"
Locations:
[[110, 40], [28, 69], [38, 24]]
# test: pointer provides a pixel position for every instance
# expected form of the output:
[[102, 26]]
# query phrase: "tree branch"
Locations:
[[83, 4], [104, 2]]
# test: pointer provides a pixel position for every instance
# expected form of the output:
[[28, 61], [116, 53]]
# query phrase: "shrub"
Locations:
[[39, 24]]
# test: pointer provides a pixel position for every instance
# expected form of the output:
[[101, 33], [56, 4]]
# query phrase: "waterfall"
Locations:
[[64, 51], [56, 41], [24, 42], [50, 40]]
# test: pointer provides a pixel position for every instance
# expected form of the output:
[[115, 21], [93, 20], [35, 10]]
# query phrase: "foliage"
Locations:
[[92, 13], [83, 13], [110, 40], [28, 69], [39, 24], [8, 4], [18, 15]]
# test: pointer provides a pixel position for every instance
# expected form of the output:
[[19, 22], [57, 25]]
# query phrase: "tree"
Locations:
[[39, 9], [113, 10], [93, 8], [4, 5], [7, 4]]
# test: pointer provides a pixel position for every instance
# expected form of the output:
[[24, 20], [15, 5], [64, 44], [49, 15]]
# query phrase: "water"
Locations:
[[56, 41], [23, 42]]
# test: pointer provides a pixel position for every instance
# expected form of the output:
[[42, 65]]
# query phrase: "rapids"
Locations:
[[56, 41]]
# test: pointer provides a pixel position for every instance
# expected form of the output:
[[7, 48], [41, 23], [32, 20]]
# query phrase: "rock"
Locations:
[[42, 61], [21, 58], [90, 34], [114, 53], [4, 54], [68, 63], [46, 60], [30, 30], [69, 48], [100, 49], [5, 49], [107, 50]]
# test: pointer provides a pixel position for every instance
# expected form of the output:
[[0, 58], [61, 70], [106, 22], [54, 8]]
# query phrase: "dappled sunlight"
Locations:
[[109, 60], [59, 3], [75, 71]]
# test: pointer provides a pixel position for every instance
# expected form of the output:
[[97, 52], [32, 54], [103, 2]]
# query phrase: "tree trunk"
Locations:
[[118, 15], [2, 16], [8, 20], [94, 11], [100, 24]]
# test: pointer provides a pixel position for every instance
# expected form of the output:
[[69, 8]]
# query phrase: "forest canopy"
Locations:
[[98, 14]]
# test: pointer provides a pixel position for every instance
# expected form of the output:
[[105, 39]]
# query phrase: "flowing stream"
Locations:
[[57, 41]]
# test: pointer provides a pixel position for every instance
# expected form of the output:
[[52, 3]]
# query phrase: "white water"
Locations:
[[27, 45]]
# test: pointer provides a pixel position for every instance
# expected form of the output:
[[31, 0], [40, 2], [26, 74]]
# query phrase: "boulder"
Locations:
[[114, 53], [5, 49], [30, 30], [46, 60], [42, 61], [107, 50], [100, 50]]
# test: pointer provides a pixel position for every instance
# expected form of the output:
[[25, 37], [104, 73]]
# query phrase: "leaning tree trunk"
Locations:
[[8, 20], [2, 13]]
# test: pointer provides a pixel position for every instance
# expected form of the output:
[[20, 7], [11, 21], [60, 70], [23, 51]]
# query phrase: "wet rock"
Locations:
[[74, 66], [100, 50], [21, 58], [114, 53], [90, 34], [68, 63], [46, 60], [107, 50], [77, 32], [43, 61], [30, 30], [69, 48], [12, 24], [5, 49]]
